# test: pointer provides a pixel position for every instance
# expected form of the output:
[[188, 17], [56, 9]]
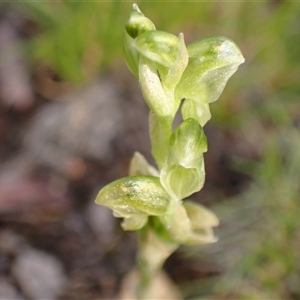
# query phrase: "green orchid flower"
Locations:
[[151, 200], [183, 173], [212, 61], [134, 198]]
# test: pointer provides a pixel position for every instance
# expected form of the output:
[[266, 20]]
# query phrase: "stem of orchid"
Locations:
[[145, 273]]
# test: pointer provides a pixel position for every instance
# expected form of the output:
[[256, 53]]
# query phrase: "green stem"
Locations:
[[146, 275], [160, 132], [153, 251]]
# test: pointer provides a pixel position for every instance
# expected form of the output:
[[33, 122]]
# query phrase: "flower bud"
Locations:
[[136, 25]]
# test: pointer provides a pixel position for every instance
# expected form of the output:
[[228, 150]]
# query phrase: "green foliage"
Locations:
[[258, 246], [268, 263], [77, 39]]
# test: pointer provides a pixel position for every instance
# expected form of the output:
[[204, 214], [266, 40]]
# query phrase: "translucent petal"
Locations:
[[202, 220], [200, 216], [197, 110], [187, 143], [176, 222], [140, 166], [212, 61], [158, 46], [182, 181], [152, 89], [134, 222]]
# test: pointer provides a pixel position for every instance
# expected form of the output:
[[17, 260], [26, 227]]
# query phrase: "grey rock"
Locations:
[[8, 291], [82, 123], [40, 275]]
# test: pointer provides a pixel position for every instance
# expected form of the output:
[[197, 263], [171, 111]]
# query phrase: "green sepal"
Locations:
[[140, 166], [131, 55], [135, 196], [176, 70], [152, 89], [187, 143], [134, 222], [183, 181], [189, 223], [176, 222], [212, 61], [202, 221], [163, 59], [183, 173]]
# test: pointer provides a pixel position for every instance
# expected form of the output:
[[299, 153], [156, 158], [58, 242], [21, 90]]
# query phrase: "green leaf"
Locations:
[[212, 61], [135, 194]]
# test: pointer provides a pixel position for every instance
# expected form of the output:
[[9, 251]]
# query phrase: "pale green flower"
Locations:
[[170, 74], [134, 198]]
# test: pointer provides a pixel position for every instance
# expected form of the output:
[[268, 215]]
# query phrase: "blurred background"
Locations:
[[71, 116]]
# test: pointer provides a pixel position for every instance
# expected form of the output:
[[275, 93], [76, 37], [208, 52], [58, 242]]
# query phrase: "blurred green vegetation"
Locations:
[[259, 241], [81, 39], [259, 249]]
